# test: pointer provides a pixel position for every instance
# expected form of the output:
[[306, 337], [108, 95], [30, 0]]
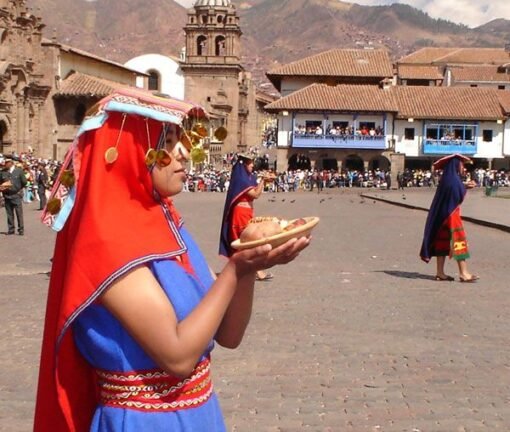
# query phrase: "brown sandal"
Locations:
[[445, 278]]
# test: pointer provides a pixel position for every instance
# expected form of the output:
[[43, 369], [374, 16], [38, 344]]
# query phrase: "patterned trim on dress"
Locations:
[[155, 390]]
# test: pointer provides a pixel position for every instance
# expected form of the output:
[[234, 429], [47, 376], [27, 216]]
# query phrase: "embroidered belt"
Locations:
[[155, 390]]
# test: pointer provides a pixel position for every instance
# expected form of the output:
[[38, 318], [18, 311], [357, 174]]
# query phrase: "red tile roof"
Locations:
[[504, 100], [340, 62], [412, 72], [321, 97], [432, 55], [480, 74], [461, 103], [79, 84]]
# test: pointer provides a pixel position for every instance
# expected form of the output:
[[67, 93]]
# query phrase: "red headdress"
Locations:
[[111, 222]]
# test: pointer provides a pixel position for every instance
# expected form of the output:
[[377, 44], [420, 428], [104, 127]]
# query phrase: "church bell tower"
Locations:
[[211, 64]]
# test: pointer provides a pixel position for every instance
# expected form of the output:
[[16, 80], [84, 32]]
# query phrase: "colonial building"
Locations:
[[342, 109], [47, 86], [80, 80], [24, 88], [336, 66], [214, 76], [468, 67]]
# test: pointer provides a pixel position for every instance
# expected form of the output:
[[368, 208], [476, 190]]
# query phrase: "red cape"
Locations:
[[115, 225]]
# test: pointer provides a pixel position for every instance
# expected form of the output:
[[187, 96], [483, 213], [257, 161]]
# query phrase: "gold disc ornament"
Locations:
[[200, 129], [111, 154], [198, 154], [221, 133]]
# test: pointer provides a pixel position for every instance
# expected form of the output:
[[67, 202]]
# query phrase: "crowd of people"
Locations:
[[342, 130]]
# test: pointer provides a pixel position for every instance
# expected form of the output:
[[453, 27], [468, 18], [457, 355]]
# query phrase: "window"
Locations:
[[409, 134], [473, 85], [201, 45], [487, 135], [501, 87], [220, 46], [153, 80]]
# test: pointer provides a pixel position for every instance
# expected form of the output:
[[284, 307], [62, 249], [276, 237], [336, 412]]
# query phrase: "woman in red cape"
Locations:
[[238, 210], [133, 312]]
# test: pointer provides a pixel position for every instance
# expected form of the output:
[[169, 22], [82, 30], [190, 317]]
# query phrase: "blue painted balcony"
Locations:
[[449, 146], [366, 142]]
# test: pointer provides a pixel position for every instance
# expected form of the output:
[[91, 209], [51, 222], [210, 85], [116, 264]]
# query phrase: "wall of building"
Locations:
[[169, 70], [70, 62]]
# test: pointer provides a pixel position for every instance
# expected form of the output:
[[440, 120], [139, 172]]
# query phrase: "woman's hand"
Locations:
[[263, 257]]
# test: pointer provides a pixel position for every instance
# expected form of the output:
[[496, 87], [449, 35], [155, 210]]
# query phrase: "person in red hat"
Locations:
[[133, 311], [444, 233]]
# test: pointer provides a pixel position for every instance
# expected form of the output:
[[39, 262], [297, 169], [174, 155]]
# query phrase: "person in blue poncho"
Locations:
[[242, 191], [444, 233]]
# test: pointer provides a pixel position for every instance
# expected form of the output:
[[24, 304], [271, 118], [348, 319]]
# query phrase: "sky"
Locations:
[[472, 13]]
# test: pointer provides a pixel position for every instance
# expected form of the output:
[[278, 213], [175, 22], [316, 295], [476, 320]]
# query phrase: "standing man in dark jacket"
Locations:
[[41, 180], [12, 182]]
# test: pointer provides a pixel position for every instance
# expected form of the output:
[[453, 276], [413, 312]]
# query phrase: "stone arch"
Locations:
[[202, 45], [154, 80], [380, 162], [299, 161], [354, 162], [4, 132], [219, 45]]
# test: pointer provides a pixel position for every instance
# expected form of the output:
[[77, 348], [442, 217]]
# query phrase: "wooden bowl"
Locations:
[[279, 239]]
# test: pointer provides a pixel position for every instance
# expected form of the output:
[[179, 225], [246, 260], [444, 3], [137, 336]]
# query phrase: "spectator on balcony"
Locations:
[[444, 233]]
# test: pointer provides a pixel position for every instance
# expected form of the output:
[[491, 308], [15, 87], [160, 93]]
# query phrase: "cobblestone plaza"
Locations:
[[353, 336]]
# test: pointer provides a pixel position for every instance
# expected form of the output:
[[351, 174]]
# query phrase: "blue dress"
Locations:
[[106, 345]]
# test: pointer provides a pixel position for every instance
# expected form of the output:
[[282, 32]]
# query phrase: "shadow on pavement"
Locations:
[[407, 275]]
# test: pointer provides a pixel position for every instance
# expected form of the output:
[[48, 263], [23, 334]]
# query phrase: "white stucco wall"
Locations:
[[290, 85], [171, 77], [493, 149], [408, 147], [490, 150], [506, 139]]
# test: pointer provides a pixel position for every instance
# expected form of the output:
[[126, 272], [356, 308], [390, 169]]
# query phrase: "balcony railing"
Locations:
[[431, 146], [368, 142]]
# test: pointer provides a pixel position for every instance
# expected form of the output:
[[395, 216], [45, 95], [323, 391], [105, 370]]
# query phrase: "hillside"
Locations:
[[274, 32]]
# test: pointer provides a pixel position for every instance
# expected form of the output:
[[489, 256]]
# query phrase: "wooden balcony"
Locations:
[[442, 147], [366, 142]]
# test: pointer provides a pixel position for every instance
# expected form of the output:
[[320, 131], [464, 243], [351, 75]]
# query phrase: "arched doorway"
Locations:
[[299, 161], [329, 164], [354, 163], [3, 135], [380, 162]]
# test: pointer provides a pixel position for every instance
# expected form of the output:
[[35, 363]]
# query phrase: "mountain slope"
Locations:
[[274, 32]]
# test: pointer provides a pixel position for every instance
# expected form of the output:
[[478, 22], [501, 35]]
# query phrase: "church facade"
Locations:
[[24, 87]]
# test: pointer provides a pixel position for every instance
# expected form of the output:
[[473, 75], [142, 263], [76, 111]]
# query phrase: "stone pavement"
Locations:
[[491, 211], [353, 336]]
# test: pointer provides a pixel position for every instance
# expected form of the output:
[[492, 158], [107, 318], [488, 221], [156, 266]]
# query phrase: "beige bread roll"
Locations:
[[259, 228]]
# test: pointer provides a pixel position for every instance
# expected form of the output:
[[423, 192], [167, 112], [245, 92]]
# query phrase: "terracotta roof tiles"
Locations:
[[431, 55], [461, 103], [79, 84], [321, 97], [419, 72], [340, 62], [480, 74]]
